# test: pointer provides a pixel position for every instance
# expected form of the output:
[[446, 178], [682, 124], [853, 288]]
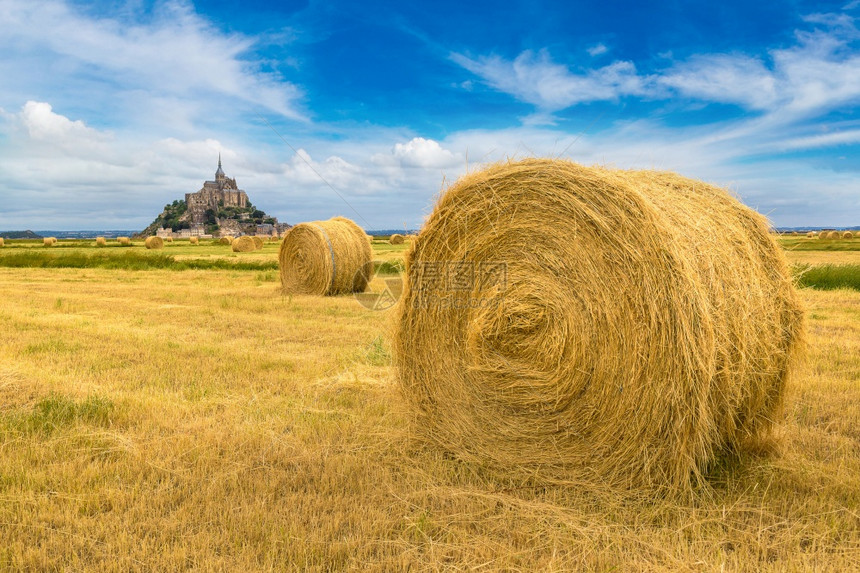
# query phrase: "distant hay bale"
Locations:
[[833, 235], [101, 242], [274, 239], [124, 241], [324, 258], [534, 338], [49, 241], [396, 239], [847, 235], [258, 242], [2, 242], [811, 234], [226, 240], [154, 243], [168, 239], [823, 235], [194, 241], [243, 244]]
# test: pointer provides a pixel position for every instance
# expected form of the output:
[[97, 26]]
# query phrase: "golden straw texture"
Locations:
[[243, 244], [154, 242], [325, 258], [537, 333]]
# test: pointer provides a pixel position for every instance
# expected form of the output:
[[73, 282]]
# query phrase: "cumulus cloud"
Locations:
[[420, 152]]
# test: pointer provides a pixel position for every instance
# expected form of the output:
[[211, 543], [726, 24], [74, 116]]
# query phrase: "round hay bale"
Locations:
[[226, 240], [823, 235], [324, 258], [2, 242], [154, 242], [833, 235], [258, 242], [811, 234], [124, 241], [49, 241], [194, 240], [243, 244], [274, 238], [168, 239], [101, 242], [847, 235], [533, 337], [396, 239]]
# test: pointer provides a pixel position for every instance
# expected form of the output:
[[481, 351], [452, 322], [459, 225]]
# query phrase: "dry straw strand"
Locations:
[[324, 258], [396, 239], [154, 242], [537, 334], [243, 244]]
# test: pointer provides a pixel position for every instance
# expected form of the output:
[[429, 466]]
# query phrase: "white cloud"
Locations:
[[724, 78], [175, 54], [420, 152], [536, 79], [597, 50]]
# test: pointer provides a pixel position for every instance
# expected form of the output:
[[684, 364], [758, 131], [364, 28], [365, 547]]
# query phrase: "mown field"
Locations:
[[173, 411]]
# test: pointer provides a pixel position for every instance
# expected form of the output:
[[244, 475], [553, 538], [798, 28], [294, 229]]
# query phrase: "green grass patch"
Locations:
[[56, 411], [129, 260], [793, 243], [827, 277]]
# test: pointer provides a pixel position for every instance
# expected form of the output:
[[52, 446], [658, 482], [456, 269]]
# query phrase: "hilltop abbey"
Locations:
[[222, 192], [219, 208]]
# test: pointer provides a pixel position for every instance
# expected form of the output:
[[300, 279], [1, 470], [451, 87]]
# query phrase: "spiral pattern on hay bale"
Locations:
[[154, 243], [537, 333], [324, 258], [243, 244]]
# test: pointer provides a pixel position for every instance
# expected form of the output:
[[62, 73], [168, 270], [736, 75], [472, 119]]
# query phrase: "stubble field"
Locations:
[[173, 418]]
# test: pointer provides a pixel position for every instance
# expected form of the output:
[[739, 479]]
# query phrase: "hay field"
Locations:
[[198, 419]]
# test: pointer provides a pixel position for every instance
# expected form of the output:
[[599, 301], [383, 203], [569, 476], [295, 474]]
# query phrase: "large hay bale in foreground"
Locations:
[[124, 241], [49, 241], [538, 335], [325, 258], [258, 242], [243, 244], [154, 242], [396, 239], [101, 242]]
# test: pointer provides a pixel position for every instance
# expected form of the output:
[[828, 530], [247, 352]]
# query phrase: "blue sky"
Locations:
[[110, 109]]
